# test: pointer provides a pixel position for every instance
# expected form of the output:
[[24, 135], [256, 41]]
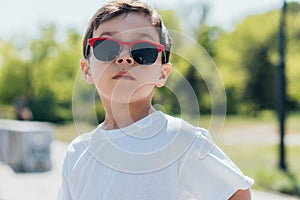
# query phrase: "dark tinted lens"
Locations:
[[106, 50], [144, 53]]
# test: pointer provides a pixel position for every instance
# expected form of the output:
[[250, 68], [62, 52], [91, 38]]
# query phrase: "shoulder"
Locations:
[[186, 129], [75, 150], [205, 171], [79, 143]]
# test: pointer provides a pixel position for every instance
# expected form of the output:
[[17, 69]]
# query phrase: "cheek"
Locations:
[[100, 73], [104, 86], [149, 73]]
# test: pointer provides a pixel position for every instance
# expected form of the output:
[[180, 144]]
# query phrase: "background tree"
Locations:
[[44, 68], [247, 58]]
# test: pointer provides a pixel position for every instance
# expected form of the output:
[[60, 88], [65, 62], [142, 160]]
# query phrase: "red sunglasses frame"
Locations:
[[159, 47]]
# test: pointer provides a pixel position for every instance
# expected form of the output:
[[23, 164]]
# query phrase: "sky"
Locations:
[[20, 18]]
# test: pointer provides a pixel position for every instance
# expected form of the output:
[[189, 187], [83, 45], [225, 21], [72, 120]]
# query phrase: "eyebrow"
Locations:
[[145, 35], [107, 33], [140, 35]]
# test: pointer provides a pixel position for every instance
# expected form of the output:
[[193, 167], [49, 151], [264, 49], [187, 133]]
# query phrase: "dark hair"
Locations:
[[116, 8]]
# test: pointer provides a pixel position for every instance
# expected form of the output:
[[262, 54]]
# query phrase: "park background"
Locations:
[[41, 68]]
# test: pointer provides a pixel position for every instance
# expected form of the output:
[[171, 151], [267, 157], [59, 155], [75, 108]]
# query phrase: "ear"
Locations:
[[164, 74], [86, 70]]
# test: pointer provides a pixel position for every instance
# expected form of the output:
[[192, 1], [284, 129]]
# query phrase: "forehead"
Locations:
[[128, 27]]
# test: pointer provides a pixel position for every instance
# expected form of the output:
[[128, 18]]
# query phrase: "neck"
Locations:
[[120, 115]]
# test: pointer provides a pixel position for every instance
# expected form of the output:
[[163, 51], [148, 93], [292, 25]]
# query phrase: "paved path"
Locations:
[[258, 195], [44, 186], [33, 186], [256, 133]]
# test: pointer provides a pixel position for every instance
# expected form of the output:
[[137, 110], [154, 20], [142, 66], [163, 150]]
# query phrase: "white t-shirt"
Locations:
[[159, 157]]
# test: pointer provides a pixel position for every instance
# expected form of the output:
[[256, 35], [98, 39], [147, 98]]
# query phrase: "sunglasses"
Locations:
[[142, 52]]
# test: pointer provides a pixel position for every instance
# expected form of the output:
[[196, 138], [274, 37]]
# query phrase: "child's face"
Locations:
[[123, 80]]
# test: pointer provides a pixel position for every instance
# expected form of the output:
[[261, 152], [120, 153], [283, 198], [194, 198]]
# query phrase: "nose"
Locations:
[[124, 59]]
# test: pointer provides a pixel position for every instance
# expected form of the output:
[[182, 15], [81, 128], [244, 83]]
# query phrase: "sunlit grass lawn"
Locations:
[[259, 161]]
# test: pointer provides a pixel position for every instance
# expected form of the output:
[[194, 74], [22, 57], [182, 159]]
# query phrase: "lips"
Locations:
[[123, 75]]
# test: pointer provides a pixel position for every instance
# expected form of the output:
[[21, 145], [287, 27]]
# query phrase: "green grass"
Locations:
[[67, 132], [293, 123], [261, 163]]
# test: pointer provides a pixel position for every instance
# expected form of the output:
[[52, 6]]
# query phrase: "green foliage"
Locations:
[[43, 70], [259, 84], [12, 71], [170, 19], [207, 37], [248, 59], [293, 56]]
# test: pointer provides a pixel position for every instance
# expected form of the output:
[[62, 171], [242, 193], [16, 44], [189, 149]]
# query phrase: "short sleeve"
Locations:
[[207, 173]]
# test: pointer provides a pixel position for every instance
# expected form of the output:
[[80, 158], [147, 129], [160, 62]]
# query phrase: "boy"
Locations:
[[138, 152]]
